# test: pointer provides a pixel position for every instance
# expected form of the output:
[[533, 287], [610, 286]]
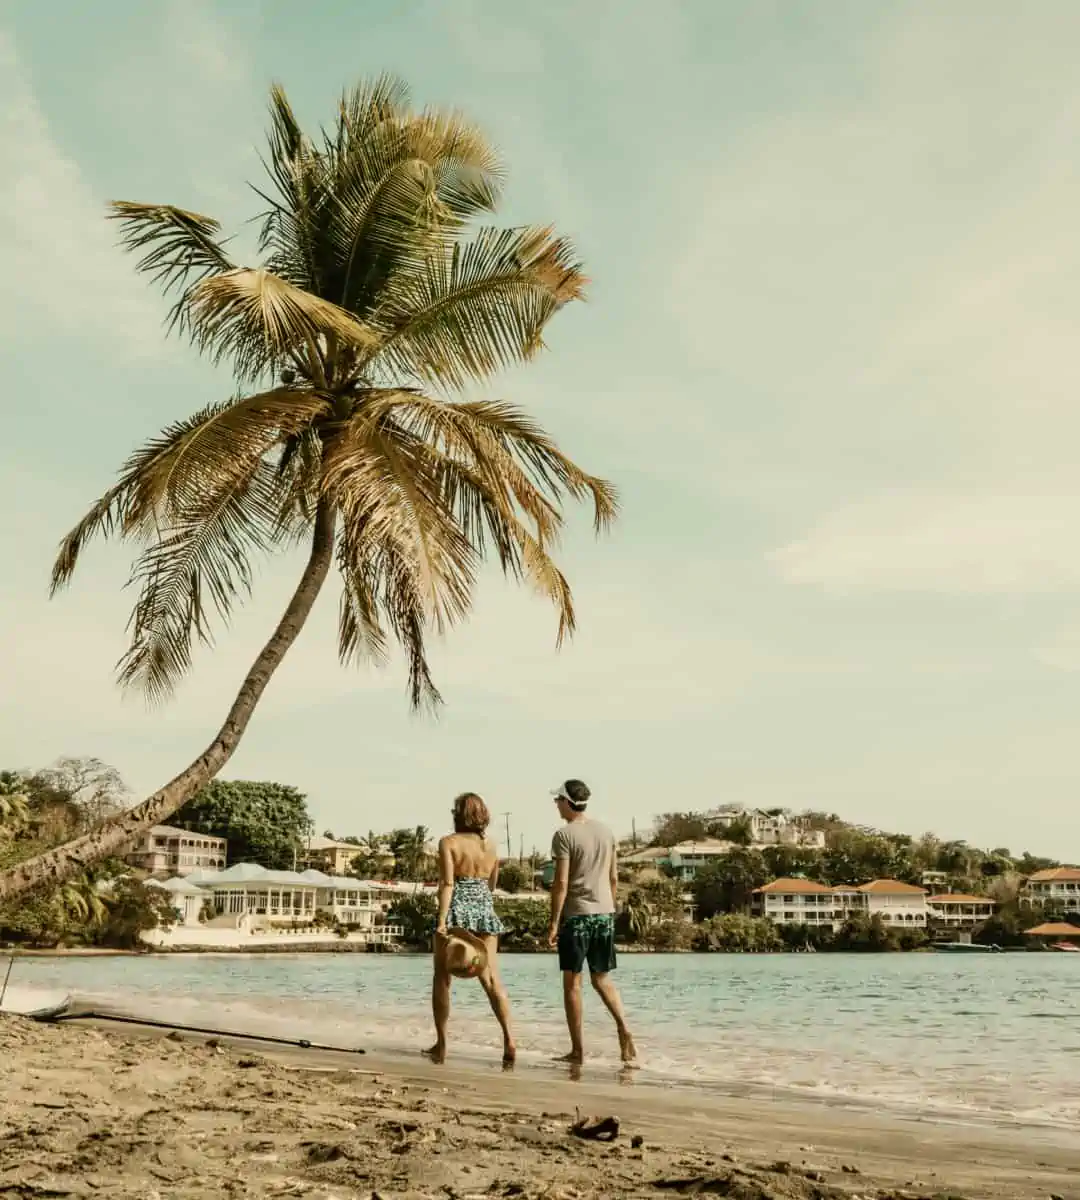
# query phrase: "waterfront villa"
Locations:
[[790, 901], [959, 911], [896, 903], [1057, 888], [795, 901], [165, 850]]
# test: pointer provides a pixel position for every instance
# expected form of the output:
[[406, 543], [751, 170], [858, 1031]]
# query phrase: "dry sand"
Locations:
[[102, 1111]]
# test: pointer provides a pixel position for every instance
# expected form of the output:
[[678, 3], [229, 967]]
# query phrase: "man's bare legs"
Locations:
[[492, 984], [572, 1004], [440, 1001], [609, 993]]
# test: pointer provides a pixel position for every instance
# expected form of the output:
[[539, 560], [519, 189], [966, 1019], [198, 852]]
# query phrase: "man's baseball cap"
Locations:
[[574, 792]]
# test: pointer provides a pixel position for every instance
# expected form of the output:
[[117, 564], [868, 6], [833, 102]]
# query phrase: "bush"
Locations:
[[861, 933], [735, 933], [417, 914], [526, 923], [670, 936], [133, 909]]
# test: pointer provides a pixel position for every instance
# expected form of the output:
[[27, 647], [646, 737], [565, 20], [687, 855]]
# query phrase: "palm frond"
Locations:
[[202, 557], [511, 450], [172, 469], [178, 248], [381, 586], [403, 186], [386, 490], [297, 203], [479, 306], [260, 323]]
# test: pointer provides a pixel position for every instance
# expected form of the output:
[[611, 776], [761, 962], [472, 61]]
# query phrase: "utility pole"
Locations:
[[509, 843], [521, 851], [633, 828]]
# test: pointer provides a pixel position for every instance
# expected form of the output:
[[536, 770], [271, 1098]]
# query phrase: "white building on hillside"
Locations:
[[959, 911], [1057, 888], [687, 858], [165, 850], [795, 901], [778, 828], [900, 904]]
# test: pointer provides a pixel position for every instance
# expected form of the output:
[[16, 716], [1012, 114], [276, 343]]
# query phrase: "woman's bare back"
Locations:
[[471, 857]]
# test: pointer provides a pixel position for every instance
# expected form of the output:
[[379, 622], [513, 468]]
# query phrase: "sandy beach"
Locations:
[[124, 1112]]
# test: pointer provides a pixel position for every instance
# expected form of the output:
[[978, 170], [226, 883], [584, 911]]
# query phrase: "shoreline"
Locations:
[[295, 1121]]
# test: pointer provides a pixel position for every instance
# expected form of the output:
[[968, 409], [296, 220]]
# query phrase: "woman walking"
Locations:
[[467, 930]]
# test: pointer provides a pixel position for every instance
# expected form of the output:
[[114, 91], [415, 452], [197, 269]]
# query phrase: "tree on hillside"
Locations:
[[411, 857], [372, 857], [670, 829], [1028, 864], [96, 789], [787, 861], [740, 831], [264, 822], [727, 884], [371, 305]]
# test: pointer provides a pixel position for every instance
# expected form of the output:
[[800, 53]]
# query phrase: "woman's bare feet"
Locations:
[[436, 1053], [574, 1058], [509, 1055]]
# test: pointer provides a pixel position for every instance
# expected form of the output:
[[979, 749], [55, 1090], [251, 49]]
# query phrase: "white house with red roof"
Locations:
[[899, 904], [960, 911], [795, 902], [1057, 888]]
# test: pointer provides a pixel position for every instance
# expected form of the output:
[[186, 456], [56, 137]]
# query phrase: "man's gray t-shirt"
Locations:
[[590, 847]]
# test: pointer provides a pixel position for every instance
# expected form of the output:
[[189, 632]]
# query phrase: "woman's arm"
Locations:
[[493, 880], [446, 883]]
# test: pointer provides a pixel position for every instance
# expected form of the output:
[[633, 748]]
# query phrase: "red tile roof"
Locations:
[[1056, 875], [891, 887], [794, 886], [1055, 929]]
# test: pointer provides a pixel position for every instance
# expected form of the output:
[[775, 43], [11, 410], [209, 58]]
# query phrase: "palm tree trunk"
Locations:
[[121, 831]]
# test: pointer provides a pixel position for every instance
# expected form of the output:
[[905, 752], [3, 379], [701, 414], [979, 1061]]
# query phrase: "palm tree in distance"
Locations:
[[371, 299]]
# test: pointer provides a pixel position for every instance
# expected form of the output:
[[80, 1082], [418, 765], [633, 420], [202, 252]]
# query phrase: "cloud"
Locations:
[[952, 544], [57, 251]]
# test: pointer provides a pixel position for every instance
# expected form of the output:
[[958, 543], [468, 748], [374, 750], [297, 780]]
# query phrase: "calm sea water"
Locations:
[[994, 1036]]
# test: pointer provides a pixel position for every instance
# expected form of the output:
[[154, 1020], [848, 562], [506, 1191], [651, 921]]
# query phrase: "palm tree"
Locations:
[[371, 306], [14, 812], [638, 914]]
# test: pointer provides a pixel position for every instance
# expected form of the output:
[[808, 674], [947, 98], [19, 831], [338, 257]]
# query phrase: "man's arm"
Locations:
[[560, 885], [614, 875]]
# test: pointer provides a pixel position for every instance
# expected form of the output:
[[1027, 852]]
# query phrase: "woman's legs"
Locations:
[[497, 997], [440, 1000]]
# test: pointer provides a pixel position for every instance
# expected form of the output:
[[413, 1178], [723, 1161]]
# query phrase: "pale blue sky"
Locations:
[[828, 358]]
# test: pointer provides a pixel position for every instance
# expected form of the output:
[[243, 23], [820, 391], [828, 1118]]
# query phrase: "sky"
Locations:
[[828, 358]]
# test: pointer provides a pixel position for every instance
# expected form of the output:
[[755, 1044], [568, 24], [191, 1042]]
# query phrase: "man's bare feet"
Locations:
[[627, 1049], [509, 1054], [574, 1058], [436, 1053]]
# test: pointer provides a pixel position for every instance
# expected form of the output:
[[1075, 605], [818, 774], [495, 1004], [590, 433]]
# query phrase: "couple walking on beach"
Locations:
[[582, 918]]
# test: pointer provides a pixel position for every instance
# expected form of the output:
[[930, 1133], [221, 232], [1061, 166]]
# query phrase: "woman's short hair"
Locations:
[[470, 814]]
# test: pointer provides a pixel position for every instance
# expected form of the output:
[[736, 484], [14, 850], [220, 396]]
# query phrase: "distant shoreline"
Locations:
[[413, 952]]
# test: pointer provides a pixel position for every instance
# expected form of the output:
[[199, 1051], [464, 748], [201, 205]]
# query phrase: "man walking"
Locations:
[[583, 914]]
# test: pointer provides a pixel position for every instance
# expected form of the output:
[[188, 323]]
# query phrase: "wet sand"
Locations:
[[124, 1112]]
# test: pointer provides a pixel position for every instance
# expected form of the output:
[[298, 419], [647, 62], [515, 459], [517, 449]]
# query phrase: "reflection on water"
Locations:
[[995, 1035]]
